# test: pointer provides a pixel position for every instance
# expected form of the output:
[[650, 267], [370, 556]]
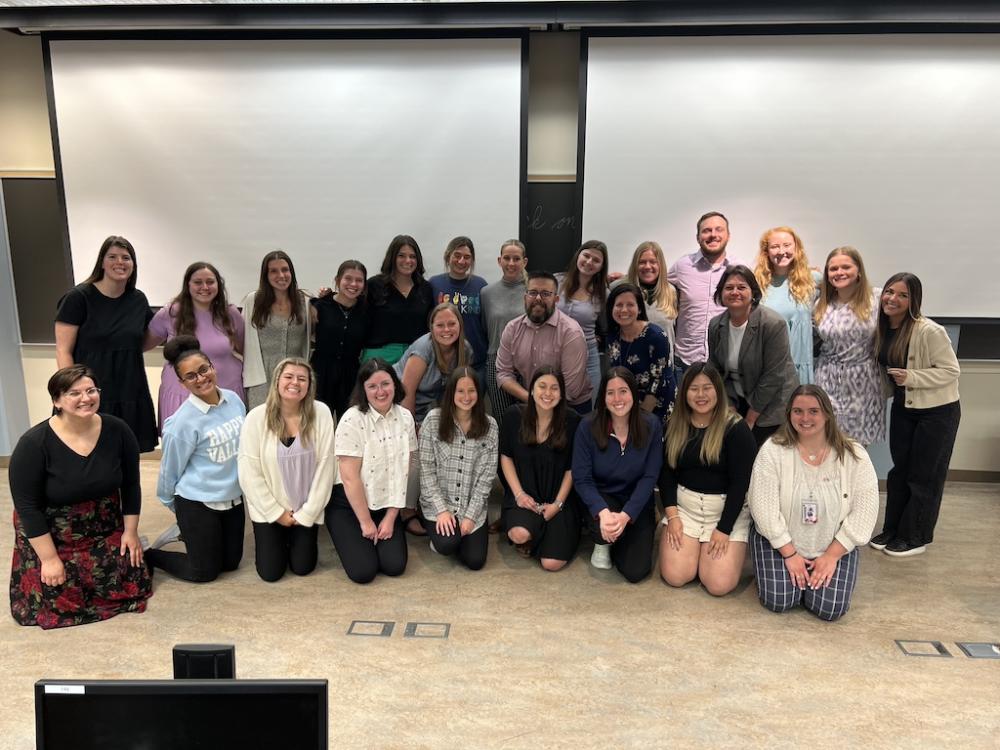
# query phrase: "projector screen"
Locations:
[[887, 143], [224, 150]]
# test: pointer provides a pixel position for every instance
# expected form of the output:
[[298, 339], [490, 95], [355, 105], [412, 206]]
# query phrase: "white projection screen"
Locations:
[[887, 143], [223, 150]]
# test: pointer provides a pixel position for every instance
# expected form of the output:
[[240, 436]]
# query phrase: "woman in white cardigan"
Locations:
[[278, 324], [287, 470], [814, 500]]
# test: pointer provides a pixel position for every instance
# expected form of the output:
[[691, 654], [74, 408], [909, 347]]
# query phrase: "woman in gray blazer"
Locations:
[[749, 345]]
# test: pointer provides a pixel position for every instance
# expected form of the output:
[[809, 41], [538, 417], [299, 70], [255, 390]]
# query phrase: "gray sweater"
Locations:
[[502, 302]]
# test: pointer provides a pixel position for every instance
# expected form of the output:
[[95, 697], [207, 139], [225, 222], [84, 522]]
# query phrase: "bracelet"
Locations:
[[788, 557], [673, 518], [559, 504], [519, 495]]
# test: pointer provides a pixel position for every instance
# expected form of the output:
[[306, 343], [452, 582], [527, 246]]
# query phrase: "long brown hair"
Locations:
[[860, 301], [835, 438], [98, 273], [897, 352], [479, 425], [307, 406], [598, 284], [801, 285], [265, 296], [679, 427], [182, 308], [557, 436], [600, 425]]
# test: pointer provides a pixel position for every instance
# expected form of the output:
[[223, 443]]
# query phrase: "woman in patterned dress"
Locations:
[[278, 324], [845, 318]]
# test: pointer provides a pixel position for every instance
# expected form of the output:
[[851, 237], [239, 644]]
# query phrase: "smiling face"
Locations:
[[780, 252], [713, 236], [351, 283], [198, 376], [618, 397], [842, 272], [648, 268], [466, 395], [460, 262], [279, 274], [293, 384], [380, 391], [625, 311], [702, 397], [540, 300], [406, 261], [807, 417], [81, 400], [117, 265], [896, 301], [546, 393], [589, 262], [203, 286], [512, 262], [737, 295], [445, 328]]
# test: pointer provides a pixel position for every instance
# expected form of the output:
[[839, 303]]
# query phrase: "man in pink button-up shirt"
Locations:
[[543, 336], [695, 277]]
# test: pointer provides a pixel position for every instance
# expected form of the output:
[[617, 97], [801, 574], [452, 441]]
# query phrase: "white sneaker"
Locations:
[[172, 534], [601, 557], [144, 542], [433, 548]]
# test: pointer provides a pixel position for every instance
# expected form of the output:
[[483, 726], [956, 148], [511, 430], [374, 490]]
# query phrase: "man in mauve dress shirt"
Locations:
[[695, 277], [543, 336]]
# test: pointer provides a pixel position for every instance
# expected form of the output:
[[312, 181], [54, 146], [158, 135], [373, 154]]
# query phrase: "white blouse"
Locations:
[[384, 444]]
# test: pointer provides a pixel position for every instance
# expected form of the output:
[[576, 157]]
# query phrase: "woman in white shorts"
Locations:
[[703, 485]]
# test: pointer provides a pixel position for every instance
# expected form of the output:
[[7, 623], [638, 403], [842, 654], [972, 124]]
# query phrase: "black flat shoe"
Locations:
[[879, 542], [899, 548]]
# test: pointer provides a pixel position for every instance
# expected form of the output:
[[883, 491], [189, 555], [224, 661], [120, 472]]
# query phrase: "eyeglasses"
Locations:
[[89, 393], [536, 293], [199, 373]]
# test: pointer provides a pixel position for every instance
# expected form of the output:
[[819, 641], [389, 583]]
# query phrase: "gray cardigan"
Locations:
[[767, 373]]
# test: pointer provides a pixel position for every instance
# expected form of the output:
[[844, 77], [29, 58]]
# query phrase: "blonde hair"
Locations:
[[679, 428], [441, 359], [801, 284], [664, 295], [307, 409], [860, 302]]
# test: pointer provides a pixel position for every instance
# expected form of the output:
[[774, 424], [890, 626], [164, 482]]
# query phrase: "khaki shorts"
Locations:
[[700, 513]]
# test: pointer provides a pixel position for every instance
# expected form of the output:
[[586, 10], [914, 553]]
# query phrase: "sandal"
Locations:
[[524, 550]]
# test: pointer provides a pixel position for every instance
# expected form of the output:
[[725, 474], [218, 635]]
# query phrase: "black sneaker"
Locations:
[[879, 542], [900, 548]]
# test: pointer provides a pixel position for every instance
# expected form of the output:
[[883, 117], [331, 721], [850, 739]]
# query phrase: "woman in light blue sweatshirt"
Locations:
[[198, 480]]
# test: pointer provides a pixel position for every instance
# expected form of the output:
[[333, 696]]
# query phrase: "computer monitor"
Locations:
[[172, 714], [204, 661]]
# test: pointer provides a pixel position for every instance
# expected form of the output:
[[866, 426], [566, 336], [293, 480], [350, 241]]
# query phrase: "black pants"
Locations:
[[362, 558], [213, 538], [279, 548], [632, 554], [920, 441], [557, 539], [471, 548], [760, 433]]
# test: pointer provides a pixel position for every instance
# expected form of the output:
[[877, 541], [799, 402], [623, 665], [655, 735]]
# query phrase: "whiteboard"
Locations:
[[887, 143], [224, 150]]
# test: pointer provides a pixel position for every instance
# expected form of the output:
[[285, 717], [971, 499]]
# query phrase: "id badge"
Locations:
[[810, 512]]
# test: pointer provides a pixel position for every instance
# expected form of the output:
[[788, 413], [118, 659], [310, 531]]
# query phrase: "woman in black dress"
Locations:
[[74, 479], [102, 323], [340, 321]]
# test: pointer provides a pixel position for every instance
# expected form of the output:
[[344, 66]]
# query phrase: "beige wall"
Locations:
[[25, 141], [553, 103]]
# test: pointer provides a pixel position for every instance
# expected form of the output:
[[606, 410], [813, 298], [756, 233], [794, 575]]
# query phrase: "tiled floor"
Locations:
[[574, 659]]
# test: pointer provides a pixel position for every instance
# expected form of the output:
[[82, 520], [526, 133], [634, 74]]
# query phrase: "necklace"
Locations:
[[814, 458]]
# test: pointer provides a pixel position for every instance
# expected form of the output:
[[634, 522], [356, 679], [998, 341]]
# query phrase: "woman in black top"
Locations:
[[703, 485], [399, 300], [102, 323], [540, 512], [75, 483], [341, 326]]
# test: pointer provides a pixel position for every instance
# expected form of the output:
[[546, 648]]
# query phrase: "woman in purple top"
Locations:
[[201, 310], [583, 291], [461, 288]]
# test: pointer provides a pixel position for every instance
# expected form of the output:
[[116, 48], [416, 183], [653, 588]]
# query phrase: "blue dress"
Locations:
[[649, 358], [798, 315]]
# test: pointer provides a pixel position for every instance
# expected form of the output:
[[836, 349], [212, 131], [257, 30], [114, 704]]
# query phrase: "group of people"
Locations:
[[743, 397]]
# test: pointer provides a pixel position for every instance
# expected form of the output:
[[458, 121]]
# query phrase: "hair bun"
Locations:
[[179, 345]]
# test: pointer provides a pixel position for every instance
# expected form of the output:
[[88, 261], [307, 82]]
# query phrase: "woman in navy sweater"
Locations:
[[616, 460]]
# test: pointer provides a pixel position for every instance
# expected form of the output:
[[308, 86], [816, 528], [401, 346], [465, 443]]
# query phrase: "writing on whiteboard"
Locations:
[[537, 220]]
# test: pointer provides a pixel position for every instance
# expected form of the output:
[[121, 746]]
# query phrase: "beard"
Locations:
[[538, 313]]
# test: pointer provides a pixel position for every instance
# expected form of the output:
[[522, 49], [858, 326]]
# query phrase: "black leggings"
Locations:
[[632, 554], [213, 538], [557, 539], [279, 548], [362, 558], [471, 549]]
